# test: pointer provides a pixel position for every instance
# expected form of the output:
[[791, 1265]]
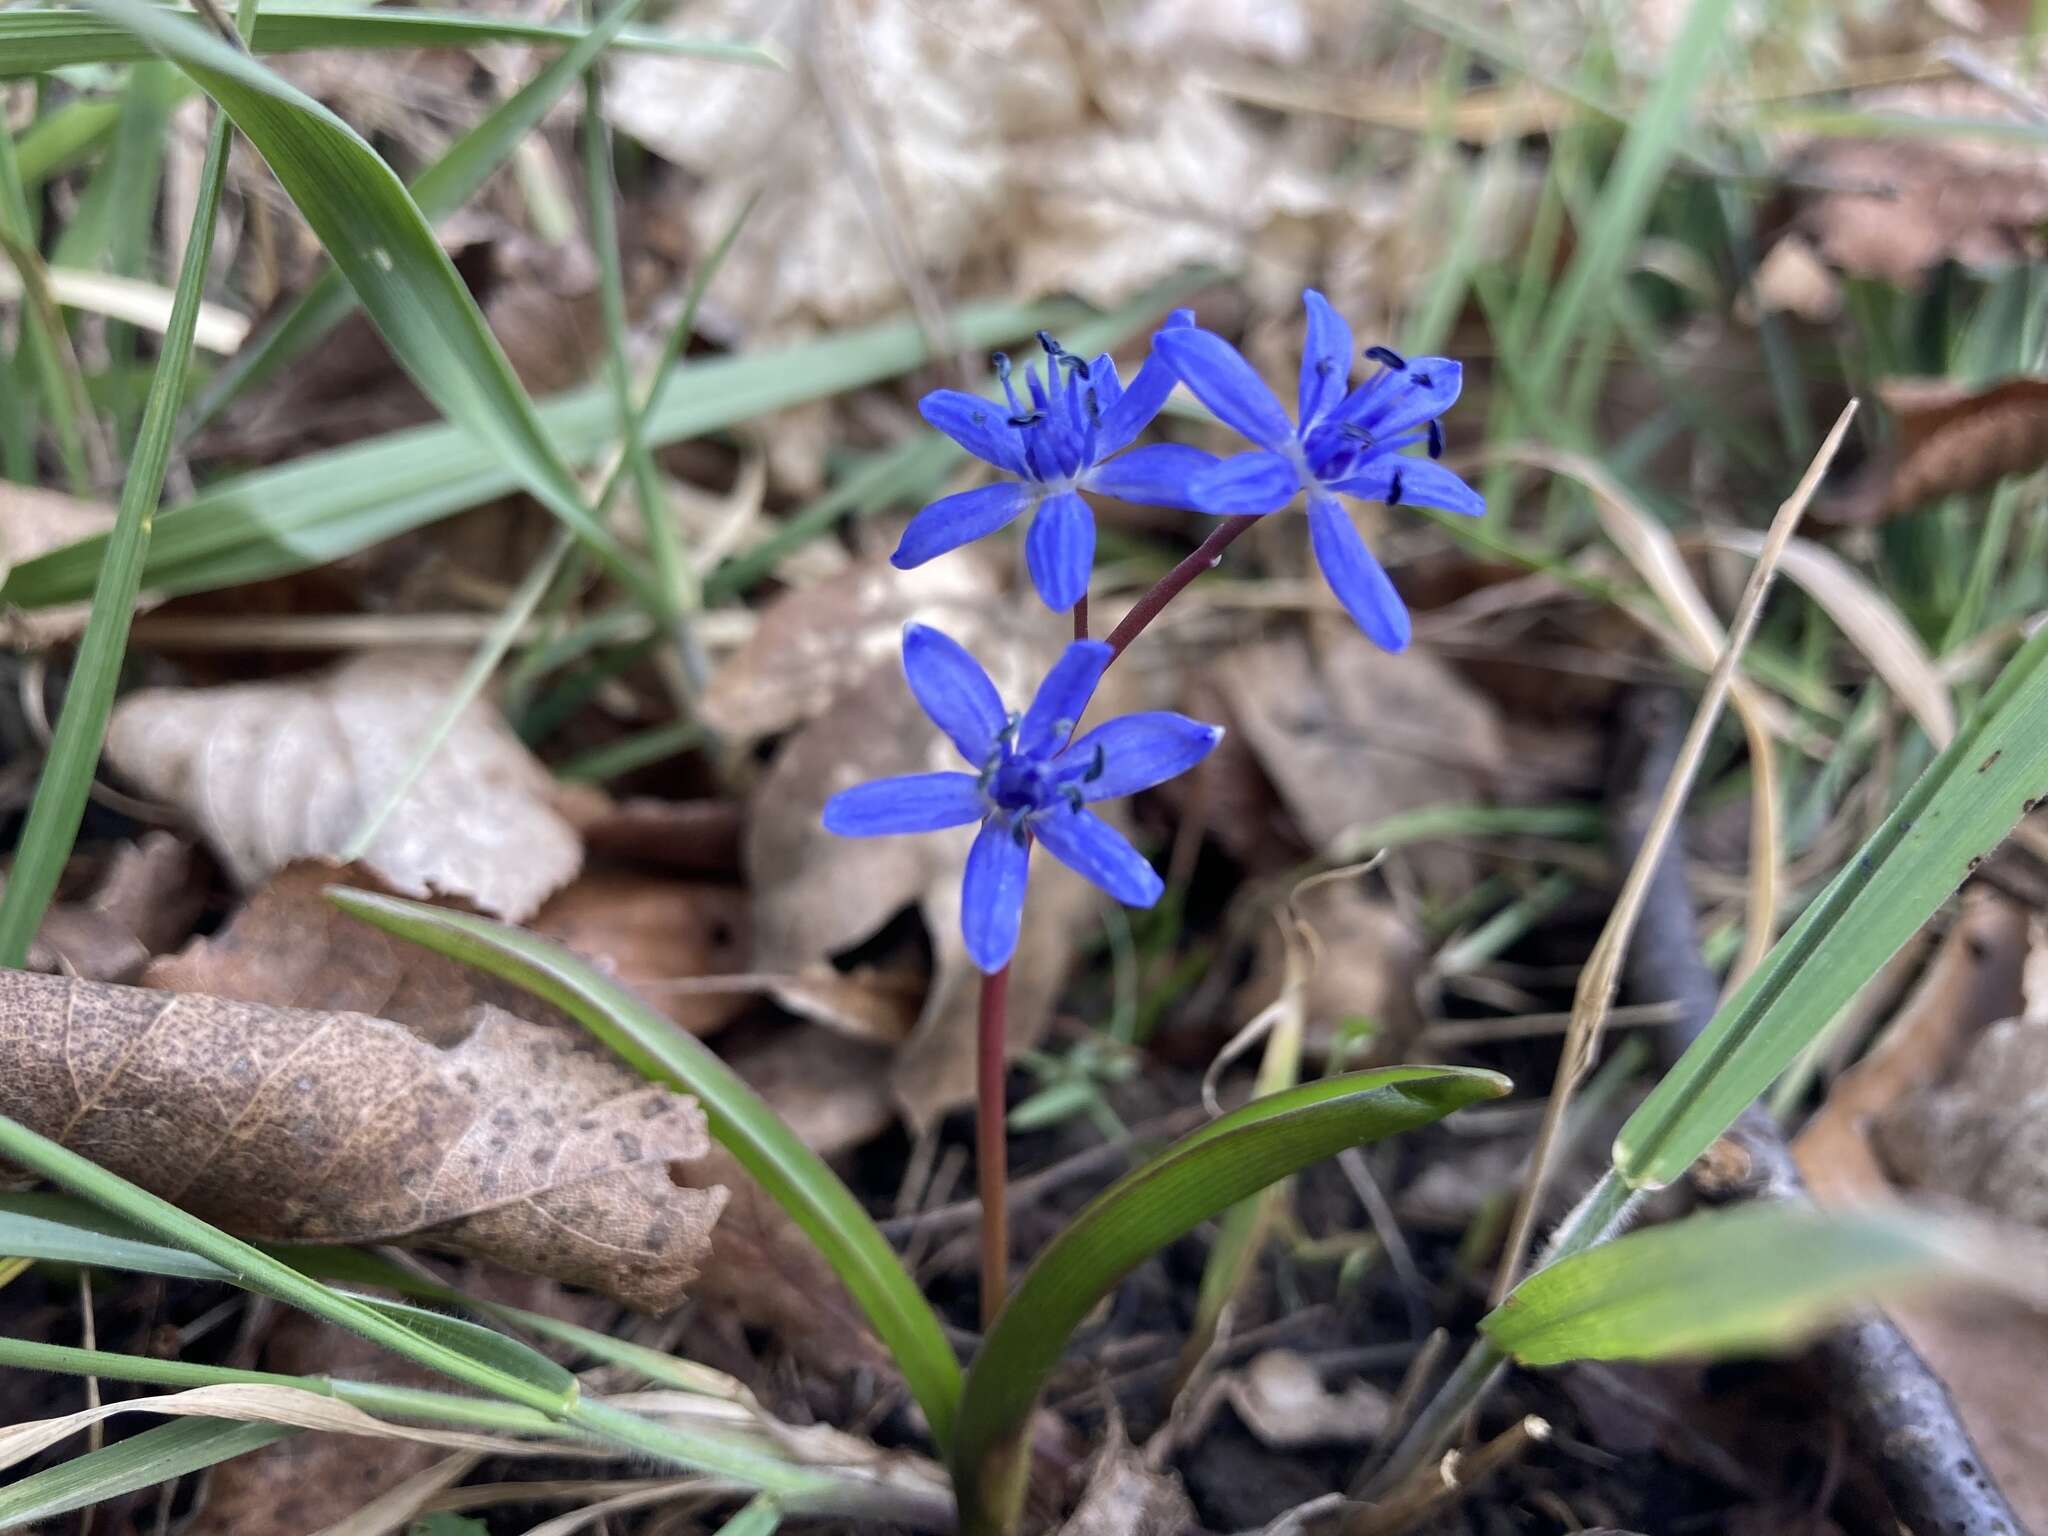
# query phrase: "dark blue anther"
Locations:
[[1394, 491], [1096, 766], [1436, 440], [1027, 418], [1387, 356]]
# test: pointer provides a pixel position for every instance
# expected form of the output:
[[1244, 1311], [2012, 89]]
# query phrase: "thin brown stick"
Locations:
[[1447, 1483], [991, 1151]]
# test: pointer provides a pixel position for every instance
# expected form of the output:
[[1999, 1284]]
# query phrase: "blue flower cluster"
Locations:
[[1072, 433]]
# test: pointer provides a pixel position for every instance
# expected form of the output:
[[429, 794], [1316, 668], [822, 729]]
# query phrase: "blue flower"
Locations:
[[1345, 442], [1050, 449], [1029, 783]]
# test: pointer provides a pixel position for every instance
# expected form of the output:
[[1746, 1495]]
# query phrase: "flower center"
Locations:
[[1056, 427]]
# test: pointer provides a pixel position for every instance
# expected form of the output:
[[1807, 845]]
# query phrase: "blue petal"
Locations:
[[1358, 580], [1225, 382], [1062, 699], [978, 425], [954, 691], [1424, 483], [1127, 414], [913, 802], [1325, 357], [1096, 851], [1156, 475], [1246, 484], [992, 896], [1060, 550], [1395, 402], [960, 519], [1137, 752]]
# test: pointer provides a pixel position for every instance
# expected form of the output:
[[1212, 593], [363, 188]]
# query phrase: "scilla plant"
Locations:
[[1032, 776]]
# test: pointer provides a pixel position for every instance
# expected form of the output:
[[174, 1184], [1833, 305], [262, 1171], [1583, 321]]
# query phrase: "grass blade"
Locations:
[[1198, 1177], [35, 42], [141, 1461], [1963, 806], [439, 190], [329, 505], [1756, 1278], [59, 805], [796, 1177], [386, 249]]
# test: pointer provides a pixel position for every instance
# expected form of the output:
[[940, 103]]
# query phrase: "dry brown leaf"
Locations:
[[1990, 1352], [1948, 439], [650, 931], [290, 946], [832, 1091], [698, 837], [34, 522], [1366, 960], [1351, 736], [1281, 1398], [517, 1142], [272, 772], [1791, 279], [1900, 204], [144, 901]]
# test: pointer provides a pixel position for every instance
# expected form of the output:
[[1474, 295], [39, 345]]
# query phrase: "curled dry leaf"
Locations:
[[1351, 736], [514, 1142], [1281, 1398], [143, 902], [1947, 439], [1126, 1497], [1899, 204], [272, 772]]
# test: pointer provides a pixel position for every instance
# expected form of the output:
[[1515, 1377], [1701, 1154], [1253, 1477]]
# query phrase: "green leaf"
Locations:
[[66, 1230], [34, 42], [1962, 807], [386, 249], [140, 1461], [329, 505], [796, 1177], [59, 804], [1193, 1180], [1754, 1278], [439, 190], [486, 1346]]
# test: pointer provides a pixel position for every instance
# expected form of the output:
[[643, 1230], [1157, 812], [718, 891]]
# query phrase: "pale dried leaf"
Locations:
[[145, 900], [1792, 279], [517, 1142], [272, 772], [269, 1405], [1367, 957], [1125, 1497], [1350, 736], [34, 522], [1281, 1398]]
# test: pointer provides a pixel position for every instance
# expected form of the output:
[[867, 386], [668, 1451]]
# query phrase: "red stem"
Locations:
[[991, 1155], [1081, 618], [1169, 586]]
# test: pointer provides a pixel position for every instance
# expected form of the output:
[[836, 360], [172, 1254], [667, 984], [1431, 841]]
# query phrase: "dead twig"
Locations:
[[1896, 1409]]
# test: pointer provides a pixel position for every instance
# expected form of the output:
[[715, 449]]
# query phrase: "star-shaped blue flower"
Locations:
[[1345, 442], [1029, 783], [1069, 438]]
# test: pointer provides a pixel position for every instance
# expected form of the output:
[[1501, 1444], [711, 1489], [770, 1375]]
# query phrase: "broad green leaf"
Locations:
[[36, 41], [1197, 1178], [796, 1177], [382, 244], [59, 803], [1754, 1278], [439, 190], [65, 1230], [330, 505], [486, 1346], [140, 1461], [1962, 807]]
